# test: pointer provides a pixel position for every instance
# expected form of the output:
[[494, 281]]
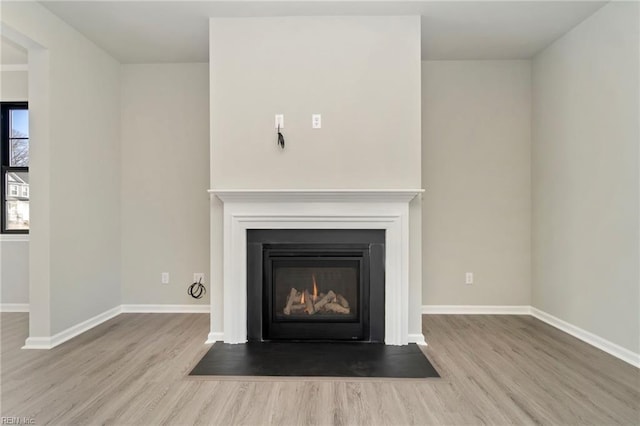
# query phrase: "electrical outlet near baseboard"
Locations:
[[198, 277]]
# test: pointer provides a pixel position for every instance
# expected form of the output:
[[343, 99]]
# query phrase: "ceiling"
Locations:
[[177, 31]]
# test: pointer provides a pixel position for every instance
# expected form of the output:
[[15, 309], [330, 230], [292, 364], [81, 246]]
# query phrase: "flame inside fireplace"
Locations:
[[315, 289]]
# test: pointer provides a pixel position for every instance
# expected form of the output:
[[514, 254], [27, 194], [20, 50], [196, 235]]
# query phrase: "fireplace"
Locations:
[[310, 284], [238, 212]]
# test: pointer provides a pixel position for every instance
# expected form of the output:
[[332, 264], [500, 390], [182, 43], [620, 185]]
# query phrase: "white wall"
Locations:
[[361, 73], [14, 271], [13, 86], [585, 176], [74, 104], [12, 53], [165, 177], [14, 254], [476, 171]]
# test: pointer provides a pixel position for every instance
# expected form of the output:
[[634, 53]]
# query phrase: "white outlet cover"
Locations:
[[468, 278], [316, 121], [279, 121]]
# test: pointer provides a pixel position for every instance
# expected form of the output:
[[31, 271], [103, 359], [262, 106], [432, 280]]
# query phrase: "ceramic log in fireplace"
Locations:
[[311, 284]]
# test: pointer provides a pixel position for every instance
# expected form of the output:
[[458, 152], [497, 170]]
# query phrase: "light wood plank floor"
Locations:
[[495, 370]]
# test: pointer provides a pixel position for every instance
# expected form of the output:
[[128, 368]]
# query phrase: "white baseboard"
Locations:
[[588, 337], [215, 337], [477, 309], [14, 307], [37, 343], [71, 332], [167, 309], [603, 344], [417, 338]]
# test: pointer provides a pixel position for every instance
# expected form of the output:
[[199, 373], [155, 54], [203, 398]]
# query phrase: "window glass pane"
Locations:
[[17, 200], [19, 138], [19, 152], [19, 122]]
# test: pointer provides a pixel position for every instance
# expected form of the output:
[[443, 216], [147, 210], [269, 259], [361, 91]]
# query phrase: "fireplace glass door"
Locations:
[[315, 292], [316, 289]]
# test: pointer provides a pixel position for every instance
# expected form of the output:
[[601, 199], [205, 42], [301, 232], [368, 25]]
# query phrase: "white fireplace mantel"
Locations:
[[316, 195], [386, 209]]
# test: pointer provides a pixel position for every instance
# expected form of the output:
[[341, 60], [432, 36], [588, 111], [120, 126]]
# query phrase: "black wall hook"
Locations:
[[280, 138]]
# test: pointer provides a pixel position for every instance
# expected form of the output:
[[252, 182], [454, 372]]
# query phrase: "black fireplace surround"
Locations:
[[315, 285]]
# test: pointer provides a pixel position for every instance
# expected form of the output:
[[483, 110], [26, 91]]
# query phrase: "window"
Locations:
[[14, 150]]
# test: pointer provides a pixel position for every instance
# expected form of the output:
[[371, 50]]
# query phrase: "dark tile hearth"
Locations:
[[306, 359]]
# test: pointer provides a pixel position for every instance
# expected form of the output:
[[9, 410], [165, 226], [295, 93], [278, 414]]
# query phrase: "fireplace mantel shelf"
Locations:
[[316, 195]]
